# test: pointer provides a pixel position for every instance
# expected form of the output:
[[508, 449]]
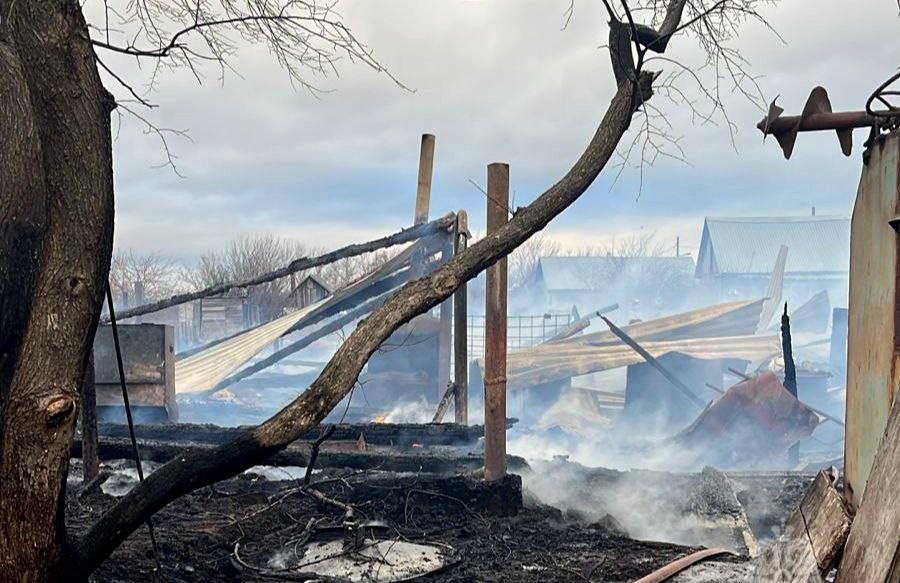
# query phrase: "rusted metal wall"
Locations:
[[873, 344]]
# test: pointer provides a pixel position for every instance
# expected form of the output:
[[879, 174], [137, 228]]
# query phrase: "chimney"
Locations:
[[813, 211]]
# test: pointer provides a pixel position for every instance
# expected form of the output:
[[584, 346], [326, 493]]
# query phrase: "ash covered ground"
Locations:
[[250, 527]]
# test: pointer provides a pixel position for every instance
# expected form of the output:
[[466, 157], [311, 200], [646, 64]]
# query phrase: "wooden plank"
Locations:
[[535, 368], [426, 169], [873, 548], [873, 366], [495, 322], [139, 395], [812, 540], [445, 333], [773, 293], [396, 434], [460, 330], [727, 319]]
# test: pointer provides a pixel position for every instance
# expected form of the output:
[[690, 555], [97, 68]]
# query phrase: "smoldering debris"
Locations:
[[689, 509]]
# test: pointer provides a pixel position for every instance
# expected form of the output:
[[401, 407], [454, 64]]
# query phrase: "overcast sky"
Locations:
[[495, 80]]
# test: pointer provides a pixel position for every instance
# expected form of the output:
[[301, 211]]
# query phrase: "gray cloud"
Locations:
[[494, 80]]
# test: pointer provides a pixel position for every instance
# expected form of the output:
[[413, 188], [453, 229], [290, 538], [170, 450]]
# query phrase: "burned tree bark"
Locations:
[[56, 98]]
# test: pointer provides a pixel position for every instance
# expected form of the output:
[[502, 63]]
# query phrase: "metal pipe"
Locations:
[[679, 565], [495, 331], [839, 120]]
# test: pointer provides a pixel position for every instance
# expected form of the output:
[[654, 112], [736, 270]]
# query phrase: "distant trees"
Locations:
[[244, 258], [158, 275], [523, 262]]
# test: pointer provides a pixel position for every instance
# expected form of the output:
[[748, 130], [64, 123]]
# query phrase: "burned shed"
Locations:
[[737, 255], [642, 286]]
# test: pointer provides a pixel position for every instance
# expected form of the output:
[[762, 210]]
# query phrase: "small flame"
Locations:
[[382, 418]]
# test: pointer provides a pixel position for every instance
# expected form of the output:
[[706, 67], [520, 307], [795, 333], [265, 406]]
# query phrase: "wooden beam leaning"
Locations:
[[692, 397], [495, 331], [403, 236], [461, 330]]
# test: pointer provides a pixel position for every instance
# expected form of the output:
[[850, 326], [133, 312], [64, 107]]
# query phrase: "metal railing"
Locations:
[[521, 331]]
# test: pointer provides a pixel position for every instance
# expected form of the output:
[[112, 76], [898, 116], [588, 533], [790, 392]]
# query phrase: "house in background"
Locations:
[[643, 286], [309, 290], [737, 255]]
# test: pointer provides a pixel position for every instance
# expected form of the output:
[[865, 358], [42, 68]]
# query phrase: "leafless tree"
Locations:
[[523, 261], [345, 271], [157, 274], [56, 219]]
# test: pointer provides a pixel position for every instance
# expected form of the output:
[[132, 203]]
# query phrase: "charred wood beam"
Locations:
[[444, 404], [400, 434], [692, 397], [790, 374], [299, 454], [404, 236]]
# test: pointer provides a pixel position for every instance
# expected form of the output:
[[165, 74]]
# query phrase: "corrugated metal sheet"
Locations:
[[590, 272], [749, 245]]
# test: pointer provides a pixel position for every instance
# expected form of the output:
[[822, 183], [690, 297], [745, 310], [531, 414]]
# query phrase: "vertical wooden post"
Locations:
[[426, 167], [445, 335], [423, 200], [89, 441], [495, 331], [460, 332]]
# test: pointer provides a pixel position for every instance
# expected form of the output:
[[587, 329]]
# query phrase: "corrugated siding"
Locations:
[[750, 245]]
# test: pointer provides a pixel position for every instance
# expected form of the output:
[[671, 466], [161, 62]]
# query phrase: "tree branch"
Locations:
[[189, 472], [301, 264]]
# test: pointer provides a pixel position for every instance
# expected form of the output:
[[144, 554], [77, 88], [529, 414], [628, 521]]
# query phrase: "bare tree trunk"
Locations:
[[56, 91]]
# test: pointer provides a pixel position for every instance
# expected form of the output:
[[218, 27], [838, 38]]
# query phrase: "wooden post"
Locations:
[[89, 423], [426, 167], [445, 335], [790, 376], [460, 333], [423, 200], [495, 332]]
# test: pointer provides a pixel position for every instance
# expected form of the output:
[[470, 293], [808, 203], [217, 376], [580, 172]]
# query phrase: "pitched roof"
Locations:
[[749, 245], [592, 272], [315, 278]]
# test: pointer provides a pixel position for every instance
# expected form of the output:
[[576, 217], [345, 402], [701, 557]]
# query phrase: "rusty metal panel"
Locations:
[[872, 329]]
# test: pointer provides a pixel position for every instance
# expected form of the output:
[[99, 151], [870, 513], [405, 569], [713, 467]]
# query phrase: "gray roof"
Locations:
[[749, 245], [593, 272]]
